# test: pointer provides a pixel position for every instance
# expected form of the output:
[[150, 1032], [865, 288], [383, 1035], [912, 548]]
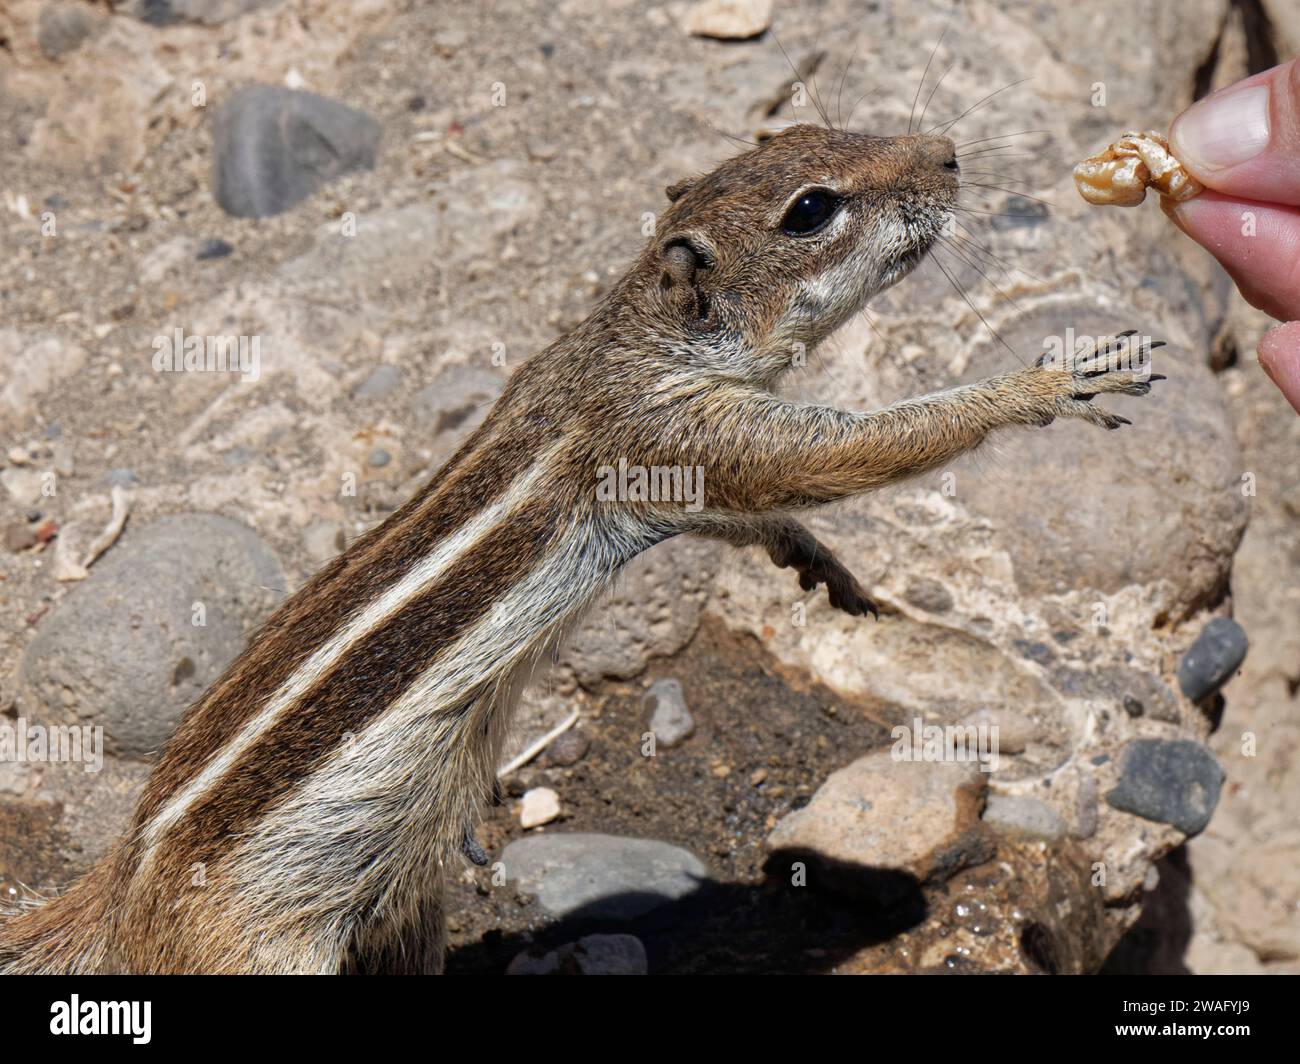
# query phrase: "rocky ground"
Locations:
[[471, 184]]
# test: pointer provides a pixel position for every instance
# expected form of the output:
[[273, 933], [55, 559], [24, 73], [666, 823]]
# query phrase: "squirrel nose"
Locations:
[[941, 152]]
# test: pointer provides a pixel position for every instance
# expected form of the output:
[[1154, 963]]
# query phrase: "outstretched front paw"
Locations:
[[815, 564], [1118, 364]]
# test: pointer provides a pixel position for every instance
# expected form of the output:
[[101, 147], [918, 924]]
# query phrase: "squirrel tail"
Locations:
[[65, 935]]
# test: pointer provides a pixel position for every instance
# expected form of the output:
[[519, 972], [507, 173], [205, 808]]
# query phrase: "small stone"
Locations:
[[592, 955], [1172, 781], [381, 381], [568, 749], [205, 12], [542, 151], [670, 720], [23, 485], [19, 537], [539, 806], [729, 20], [62, 28], [601, 877], [1026, 815], [1213, 659], [273, 147], [758, 777], [928, 595], [378, 458], [121, 478], [323, 540], [1014, 730], [447, 42], [214, 249]]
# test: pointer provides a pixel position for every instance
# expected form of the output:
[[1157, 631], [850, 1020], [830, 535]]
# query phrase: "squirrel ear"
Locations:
[[677, 191]]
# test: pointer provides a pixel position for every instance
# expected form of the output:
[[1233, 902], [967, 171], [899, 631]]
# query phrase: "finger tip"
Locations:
[[1279, 358], [1279, 344]]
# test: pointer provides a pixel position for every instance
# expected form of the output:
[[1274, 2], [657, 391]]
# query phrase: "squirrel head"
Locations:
[[779, 246]]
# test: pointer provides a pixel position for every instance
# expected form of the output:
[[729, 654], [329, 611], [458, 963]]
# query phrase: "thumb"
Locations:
[[1244, 141], [1279, 354]]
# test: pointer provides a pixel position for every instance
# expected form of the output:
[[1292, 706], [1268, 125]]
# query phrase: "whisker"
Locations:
[[839, 93], [732, 137], [1008, 267], [987, 151], [991, 214], [798, 77], [962, 292], [1002, 136], [981, 253], [944, 127], [993, 173], [1009, 192], [976, 266], [889, 348], [921, 120], [816, 91], [870, 92], [924, 74]]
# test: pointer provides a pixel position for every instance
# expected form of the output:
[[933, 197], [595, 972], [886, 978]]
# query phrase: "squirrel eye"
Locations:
[[809, 213]]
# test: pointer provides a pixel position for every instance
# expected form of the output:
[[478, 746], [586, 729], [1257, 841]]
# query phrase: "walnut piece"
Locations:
[[1121, 174]]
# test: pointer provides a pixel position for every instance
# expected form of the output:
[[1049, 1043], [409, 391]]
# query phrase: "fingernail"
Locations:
[[1222, 130]]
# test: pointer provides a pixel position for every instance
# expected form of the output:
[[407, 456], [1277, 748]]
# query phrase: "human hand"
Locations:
[[1243, 144]]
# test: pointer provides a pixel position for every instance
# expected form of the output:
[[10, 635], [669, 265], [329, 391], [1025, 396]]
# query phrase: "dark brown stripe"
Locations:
[[485, 467], [365, 681]]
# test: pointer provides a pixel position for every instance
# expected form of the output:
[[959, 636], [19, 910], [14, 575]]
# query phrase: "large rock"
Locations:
[[273, 147], [1067, 499], [601, 877], [122, 649], [653, 610], [919, 818]]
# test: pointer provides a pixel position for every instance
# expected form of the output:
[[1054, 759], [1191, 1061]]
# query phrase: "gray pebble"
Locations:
[[62, 28], [274, 146], [1213, 659], [670, 720], [379, 458], [1173, 782], [592, 955], [1026, 815], [601, 877], [568, 749], [381, 381], [929, 595], [214, 249]]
